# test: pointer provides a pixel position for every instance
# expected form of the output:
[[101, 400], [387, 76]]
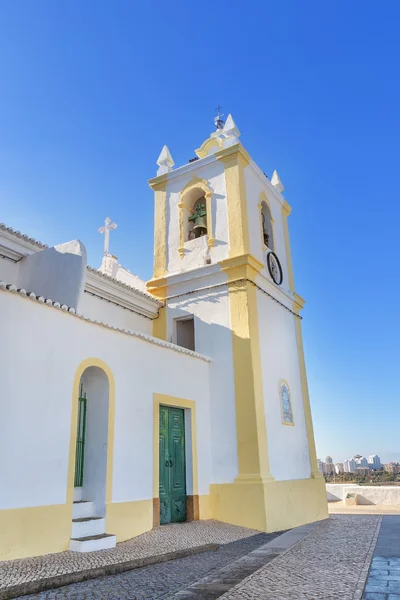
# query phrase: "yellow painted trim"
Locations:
[[298, 305], [235, 159], [91, 362], [238, 267], [158, 287], [160, 324], [34, 531], [194, 183], [264, 199], [286, 210], [129, 519], [160, 228], [207, 146], [283, 381], [163, 399], [205, 508]]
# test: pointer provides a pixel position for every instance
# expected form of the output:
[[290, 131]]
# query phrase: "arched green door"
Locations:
[[172, 465]]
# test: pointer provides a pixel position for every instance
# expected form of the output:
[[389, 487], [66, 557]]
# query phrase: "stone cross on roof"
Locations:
[[108, 225]]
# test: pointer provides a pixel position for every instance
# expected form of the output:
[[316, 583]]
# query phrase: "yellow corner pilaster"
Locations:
[[159, 185], [286, 210], [298, 305], [158, 288], [235, 159], [249, 400]]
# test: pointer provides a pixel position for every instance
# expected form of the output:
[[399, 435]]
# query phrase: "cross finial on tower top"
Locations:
[[108, 225], [219, 123]]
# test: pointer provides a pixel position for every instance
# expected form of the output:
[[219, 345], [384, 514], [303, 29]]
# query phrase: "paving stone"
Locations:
[[372, 596], [331, 564], [157, 541], [161, 581]]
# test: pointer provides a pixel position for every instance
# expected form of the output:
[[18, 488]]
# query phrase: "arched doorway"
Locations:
[[92, 460], [92, 438]]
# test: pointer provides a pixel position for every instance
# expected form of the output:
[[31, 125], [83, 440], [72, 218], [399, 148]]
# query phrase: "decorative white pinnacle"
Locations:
[[106, 230], [276, 182], [165, 161], [230, 129]]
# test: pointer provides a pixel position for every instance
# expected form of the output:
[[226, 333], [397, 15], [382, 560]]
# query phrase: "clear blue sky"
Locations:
[[90, 91]]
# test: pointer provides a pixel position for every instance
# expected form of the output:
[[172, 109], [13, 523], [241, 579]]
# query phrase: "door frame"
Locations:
[[192, 497]]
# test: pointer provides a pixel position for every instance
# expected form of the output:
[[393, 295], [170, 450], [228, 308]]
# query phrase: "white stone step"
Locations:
[[92, 543], [88, 526], [83, 509], [77, 494]]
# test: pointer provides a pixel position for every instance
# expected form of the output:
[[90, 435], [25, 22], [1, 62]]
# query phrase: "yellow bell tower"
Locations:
[[232, 275]]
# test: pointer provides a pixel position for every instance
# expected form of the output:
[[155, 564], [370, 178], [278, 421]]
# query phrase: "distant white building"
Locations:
[[321, 466], [362, 462], [339, 468], [328, 459], [374, 462], [329, 468], [349, 465]]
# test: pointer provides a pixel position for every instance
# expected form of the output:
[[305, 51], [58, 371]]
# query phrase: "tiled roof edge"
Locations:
[[148, 338]]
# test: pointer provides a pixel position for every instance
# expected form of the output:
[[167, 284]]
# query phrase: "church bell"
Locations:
[[200, 227]]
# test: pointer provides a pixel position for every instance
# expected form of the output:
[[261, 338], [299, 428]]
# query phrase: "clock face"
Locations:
[[274, 268]]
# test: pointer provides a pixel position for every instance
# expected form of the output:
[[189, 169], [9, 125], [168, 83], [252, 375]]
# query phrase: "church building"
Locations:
[[126, 405]]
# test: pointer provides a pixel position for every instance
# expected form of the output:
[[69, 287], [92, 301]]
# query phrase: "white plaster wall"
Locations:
[[41, 348], [96, 387], [195, 253], [106, 312], [58, 273], [8, 270], [386, 495], [213, 337], [287, 446], [254, 187]]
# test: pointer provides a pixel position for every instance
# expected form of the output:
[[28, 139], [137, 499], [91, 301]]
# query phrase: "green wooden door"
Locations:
[[172, 465]]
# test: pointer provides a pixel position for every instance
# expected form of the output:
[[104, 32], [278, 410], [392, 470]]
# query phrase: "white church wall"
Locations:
[[287, 445], [197, 250], [37, 368], [8, 270], [213, 336], [106, 312], [57, 273]]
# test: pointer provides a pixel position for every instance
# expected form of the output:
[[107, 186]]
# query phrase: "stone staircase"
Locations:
[[88, 530]]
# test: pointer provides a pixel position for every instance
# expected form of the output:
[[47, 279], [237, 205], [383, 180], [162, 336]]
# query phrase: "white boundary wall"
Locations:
[[367, 494]]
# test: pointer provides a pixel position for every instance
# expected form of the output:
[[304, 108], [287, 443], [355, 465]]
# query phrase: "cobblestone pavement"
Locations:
[[163, 580], [330, 564], [164, 539], [384, 577]]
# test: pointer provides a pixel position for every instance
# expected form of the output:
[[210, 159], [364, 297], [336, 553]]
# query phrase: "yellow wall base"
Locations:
[[239, 504], [271, 506], [129, 519], [34, 531], [205, 510]]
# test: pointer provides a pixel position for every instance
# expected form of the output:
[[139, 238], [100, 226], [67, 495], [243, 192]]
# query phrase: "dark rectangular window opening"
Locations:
[[185, 333]]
